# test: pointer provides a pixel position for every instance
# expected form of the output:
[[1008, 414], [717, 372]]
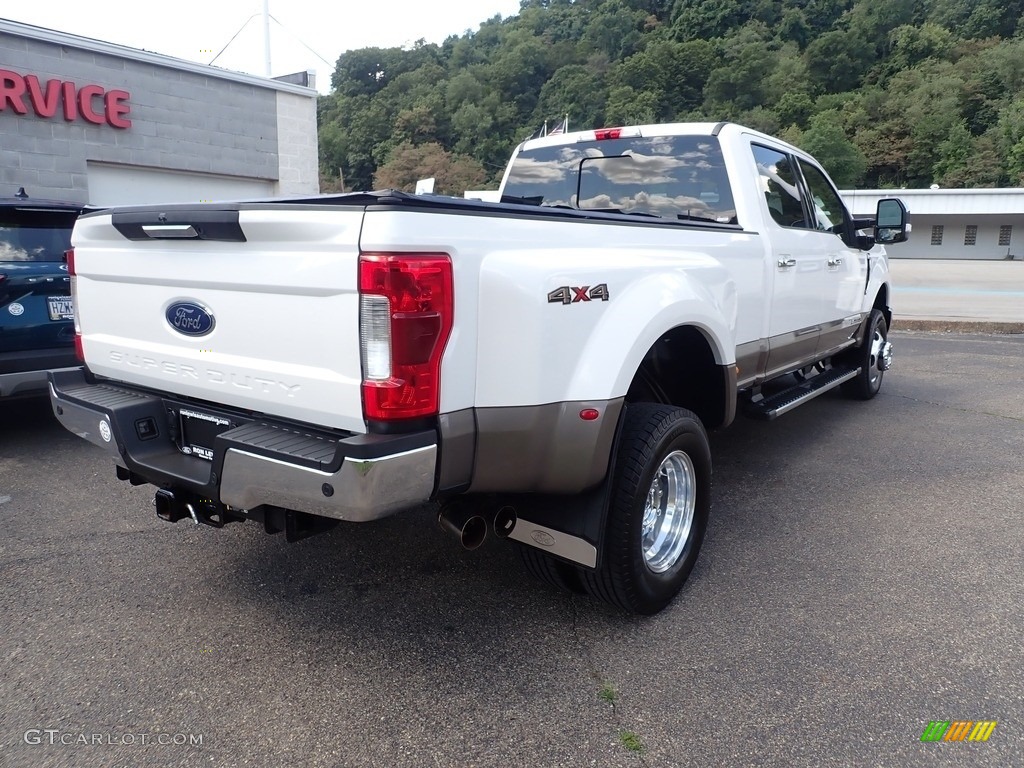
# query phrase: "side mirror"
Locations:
[[891, 222]]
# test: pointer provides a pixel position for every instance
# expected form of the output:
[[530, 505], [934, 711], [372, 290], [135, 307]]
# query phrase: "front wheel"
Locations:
[[658, 510], [873, 356]]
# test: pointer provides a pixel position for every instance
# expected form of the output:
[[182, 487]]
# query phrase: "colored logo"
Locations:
[[958, 730], [189, 318]]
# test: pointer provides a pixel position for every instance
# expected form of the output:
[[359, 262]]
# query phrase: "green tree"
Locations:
[[978, 18], [627, 107], [367, 71], [827, 141], [740, 83], [910, 45], [656, 71], [616, 29], [453, 174], [967, 161], [838, 60], [704, 19], [1010, 139], [577, 91], [794, 108]]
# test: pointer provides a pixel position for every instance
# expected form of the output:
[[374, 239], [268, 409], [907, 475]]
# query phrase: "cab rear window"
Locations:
[[673, 177], [30, 235]]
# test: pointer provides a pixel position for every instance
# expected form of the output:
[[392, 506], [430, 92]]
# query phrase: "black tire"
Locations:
[[553, 572], [867, 383], [651, 434]]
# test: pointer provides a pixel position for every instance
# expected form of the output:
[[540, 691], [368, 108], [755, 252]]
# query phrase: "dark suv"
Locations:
[[37, 330]]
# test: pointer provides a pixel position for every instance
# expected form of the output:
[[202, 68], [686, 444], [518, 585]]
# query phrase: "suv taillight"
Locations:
[[406, 307], [69, 257]]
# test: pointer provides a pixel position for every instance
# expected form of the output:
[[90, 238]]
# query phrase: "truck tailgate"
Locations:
[[266, 320]]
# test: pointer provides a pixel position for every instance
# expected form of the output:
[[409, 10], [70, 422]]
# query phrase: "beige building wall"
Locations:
[[299, 170]]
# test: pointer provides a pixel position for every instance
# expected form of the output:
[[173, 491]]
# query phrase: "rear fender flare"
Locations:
[[677, 300]]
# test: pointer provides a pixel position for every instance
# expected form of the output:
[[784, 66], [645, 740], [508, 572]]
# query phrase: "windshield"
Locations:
[[674, 177], [27, 235]]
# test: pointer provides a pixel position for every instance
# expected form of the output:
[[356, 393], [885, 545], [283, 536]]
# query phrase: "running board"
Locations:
[[782, 402]]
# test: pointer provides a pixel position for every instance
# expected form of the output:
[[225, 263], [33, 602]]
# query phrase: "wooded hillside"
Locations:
[[886, 93]]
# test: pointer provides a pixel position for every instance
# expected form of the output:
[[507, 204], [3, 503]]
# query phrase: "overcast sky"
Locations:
[[198, 29]]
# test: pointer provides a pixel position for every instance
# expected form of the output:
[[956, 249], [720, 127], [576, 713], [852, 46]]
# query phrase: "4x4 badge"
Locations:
[[570, 294]]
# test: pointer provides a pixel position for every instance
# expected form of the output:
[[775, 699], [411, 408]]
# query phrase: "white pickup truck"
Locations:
[[546, 367]]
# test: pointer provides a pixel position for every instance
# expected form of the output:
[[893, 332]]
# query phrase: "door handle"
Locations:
[[835, 262], [787, 262]]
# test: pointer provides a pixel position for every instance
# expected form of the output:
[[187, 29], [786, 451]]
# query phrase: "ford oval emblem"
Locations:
[[543, 538], [189, 318]]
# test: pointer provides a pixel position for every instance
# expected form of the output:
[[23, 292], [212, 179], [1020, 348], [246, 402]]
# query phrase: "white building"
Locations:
[[953, 223]]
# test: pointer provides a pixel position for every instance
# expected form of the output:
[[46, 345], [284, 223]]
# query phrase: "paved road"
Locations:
[[946, 290], [862, 576]]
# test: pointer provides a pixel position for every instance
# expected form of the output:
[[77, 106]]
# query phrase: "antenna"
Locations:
[[267, 18], [266, 36]]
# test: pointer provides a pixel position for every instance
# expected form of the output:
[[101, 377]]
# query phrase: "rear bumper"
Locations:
[[26, 383], [255, 461], [25, 373]]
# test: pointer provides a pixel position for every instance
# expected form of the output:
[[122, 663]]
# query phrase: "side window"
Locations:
[[778, 183], [829, 211]]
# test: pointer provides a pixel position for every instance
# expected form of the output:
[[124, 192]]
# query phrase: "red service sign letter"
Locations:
[[90, 102], [116, 103], [12, 91], [85, 96]]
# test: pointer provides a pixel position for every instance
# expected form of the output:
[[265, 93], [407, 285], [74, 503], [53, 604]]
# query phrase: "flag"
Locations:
[[562, 127], [540, 132]]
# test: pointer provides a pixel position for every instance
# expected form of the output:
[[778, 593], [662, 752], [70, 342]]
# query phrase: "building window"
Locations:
[[937, 234], [971, 234], [1004, 234]]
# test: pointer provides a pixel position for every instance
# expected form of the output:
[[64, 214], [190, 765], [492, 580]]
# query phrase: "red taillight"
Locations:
[[607, 133], [69, 257], [406, 306]]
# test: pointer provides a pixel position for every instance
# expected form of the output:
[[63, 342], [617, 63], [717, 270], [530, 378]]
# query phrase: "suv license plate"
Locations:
[[60, 307], [198, 431]]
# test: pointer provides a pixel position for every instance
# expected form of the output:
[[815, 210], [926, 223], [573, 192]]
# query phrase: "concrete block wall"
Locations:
[[297, 144]]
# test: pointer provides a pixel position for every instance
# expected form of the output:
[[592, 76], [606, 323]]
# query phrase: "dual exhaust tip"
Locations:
[[470, 527]]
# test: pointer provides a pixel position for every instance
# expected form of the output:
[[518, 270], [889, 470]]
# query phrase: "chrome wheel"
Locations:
[[873, 356], [881, 358], [668, 513], [657, 509]]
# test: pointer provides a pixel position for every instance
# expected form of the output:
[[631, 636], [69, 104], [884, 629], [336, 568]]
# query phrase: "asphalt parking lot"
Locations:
[[862, 576]]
